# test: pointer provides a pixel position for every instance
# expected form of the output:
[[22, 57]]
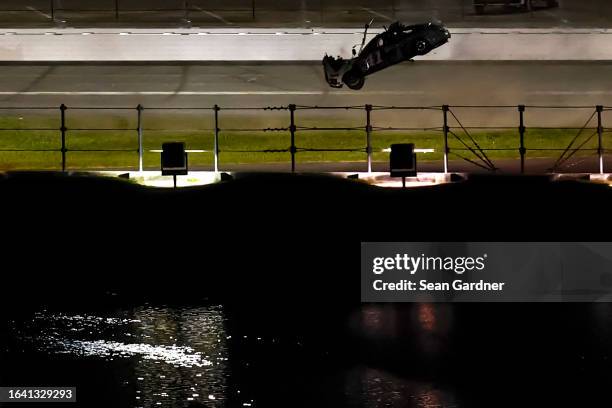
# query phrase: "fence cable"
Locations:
[[561, 158], [470, 161], [487, 164], [485, 159], [558, 164]]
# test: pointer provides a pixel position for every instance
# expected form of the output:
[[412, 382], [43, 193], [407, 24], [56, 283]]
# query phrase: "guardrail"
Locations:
[[478, 135]]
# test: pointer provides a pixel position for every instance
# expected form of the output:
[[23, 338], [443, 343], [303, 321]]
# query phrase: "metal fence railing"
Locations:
[[129, 138]]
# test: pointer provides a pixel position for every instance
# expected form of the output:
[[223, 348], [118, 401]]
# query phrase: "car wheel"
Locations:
[[422, 47], [479, 9], [353, 79], [552, 3]]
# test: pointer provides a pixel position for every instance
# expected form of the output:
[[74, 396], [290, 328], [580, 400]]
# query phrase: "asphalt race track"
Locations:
[[259, 85], [293, 13], [581, 85]]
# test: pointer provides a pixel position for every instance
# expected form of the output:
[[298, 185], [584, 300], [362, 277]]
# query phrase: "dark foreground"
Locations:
[[247, 292]]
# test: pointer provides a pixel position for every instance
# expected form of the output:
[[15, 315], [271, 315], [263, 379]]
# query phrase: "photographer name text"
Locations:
[[415, 264]]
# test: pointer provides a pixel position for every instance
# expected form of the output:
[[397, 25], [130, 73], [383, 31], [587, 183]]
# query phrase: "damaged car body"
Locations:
[[396, 44]]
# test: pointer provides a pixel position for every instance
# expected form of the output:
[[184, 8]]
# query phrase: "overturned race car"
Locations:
[[396, 44]]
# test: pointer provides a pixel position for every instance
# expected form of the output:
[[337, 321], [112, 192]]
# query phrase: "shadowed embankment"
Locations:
[[260, 237]]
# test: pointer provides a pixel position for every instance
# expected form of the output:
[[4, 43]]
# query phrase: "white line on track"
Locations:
[[39, 12], [154, 93], [376, 13], [213, 15], [562, 93], [203, 93]]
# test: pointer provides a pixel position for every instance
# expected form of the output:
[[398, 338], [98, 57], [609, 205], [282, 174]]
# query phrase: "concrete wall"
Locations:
[[289, 45]]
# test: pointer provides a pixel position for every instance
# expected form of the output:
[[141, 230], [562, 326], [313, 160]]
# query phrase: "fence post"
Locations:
[[368, 109], [63, 132], [253, 9], [116, 9], [139, 109], [52, 10], [600, 149], [445, 130], [522, 149], [186, 11], [216, 141], [292, 129]]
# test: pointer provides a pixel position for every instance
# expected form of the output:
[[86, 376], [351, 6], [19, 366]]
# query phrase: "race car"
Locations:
[[396, 44]]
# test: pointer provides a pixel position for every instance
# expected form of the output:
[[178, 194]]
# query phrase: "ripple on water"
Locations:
[[176, 357]]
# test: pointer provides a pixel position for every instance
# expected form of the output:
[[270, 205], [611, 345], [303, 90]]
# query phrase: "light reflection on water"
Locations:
[[428, 325], [178, 356], [373, 388], [181, 356]]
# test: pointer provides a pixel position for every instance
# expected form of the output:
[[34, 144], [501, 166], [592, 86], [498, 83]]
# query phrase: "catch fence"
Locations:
[[484, 138]]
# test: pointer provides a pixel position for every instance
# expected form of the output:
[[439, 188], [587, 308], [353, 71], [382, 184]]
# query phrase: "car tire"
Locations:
[[479, 9], [422, 46], [354, 80], [552, 3]]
